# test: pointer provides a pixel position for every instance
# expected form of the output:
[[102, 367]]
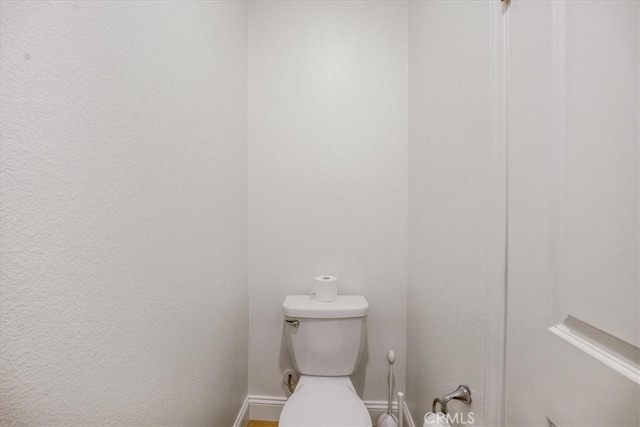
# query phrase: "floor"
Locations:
[[254, 423]]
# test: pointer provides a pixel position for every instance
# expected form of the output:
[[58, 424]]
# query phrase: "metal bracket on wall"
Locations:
[[462, 393]]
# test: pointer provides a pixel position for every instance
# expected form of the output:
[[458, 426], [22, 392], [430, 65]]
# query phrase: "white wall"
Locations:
[[449, 143], [327, 172], [124, 296]]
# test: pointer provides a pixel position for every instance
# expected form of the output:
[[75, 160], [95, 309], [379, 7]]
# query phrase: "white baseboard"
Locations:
[[243, 416], [268, 408]]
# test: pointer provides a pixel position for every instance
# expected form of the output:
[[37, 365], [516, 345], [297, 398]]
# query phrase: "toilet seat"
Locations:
[[324, 402]]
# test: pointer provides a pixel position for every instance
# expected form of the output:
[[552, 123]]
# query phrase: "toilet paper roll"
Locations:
[[326, 288]]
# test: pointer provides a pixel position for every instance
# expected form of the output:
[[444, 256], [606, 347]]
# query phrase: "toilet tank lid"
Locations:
[[306, 306]]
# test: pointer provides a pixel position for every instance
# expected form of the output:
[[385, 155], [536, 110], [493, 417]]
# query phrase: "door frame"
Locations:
[[496, 309]]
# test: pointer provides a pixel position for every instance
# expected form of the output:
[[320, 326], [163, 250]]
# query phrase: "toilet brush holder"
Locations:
[[387, 419]]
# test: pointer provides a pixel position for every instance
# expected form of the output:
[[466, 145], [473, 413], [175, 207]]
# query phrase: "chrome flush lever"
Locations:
[[294, 323]]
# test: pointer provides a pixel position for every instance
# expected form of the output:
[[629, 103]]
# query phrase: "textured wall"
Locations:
[[327, 172], [123, 253], [449, 142]]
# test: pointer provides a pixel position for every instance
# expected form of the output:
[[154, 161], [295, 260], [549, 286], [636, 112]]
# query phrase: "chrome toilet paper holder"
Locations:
[[462, 393]]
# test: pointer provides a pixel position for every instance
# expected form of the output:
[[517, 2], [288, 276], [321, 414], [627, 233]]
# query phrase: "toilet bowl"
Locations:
[[325, 341], [326, 402]]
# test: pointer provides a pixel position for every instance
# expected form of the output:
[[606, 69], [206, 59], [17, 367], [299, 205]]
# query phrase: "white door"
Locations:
[[573, 295]]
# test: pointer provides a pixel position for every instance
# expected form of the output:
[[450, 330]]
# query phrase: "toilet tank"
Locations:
[[325, 338]]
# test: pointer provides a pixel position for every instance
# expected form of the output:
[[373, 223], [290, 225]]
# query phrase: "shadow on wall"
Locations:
[[284, 361]]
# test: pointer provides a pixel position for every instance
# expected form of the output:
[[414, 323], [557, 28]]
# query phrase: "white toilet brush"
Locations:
[[387, 419]]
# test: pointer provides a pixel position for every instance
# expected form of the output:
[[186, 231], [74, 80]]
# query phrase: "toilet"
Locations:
[[325, 341]]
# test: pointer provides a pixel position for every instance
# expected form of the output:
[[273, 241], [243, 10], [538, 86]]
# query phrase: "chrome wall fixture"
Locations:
[[462, 393]]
